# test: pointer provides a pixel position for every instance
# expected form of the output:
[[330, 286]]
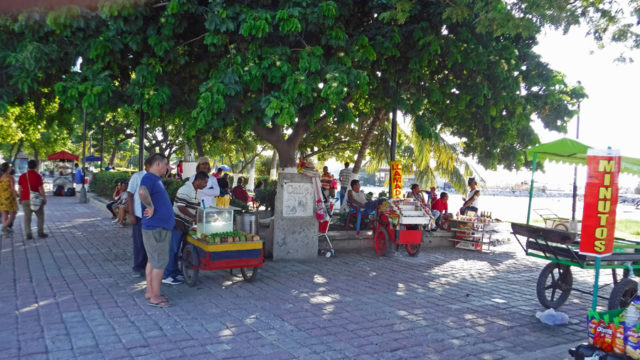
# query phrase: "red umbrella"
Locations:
[[63, 155]]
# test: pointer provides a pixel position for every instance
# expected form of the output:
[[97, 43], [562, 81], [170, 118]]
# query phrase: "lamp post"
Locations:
[[83, 190], [575, 171]]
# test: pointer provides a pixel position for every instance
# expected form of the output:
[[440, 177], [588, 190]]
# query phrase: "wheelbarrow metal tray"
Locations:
[[546, 234], [563, 253], [230, 255]]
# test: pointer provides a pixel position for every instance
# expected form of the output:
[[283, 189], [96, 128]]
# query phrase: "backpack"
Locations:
[[59, 191], [70, 192]]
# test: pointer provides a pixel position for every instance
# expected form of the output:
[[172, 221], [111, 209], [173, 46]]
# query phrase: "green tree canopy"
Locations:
[[288, 70]]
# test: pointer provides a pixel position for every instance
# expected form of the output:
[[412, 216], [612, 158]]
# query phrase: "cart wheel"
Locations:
[[622, 294], [189, 260], [249, 273], [554, 285], [413, 249], [562, 227], [382, 242]]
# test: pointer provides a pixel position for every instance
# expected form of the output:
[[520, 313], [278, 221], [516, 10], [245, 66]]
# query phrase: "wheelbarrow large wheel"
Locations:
[[554, 285], [382, 242], [249, 274], [189, 261], [413, 249], [622, 294]]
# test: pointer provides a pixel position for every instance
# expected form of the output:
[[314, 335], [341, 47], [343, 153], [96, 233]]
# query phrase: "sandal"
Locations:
[[162, 296], [160, 304]]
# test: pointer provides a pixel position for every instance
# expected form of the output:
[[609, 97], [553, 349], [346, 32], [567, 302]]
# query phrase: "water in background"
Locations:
[[514, 208]]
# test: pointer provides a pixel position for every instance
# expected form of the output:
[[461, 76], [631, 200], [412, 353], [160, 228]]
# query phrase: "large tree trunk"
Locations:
[[286, 148], [273, 172], [15, 156], [252, 174], [112, 157], [198, 142], [35, 153], [11, 150], [378, 118]]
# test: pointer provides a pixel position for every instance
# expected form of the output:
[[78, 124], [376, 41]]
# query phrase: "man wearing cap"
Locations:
[[471, 203], [212, 189]]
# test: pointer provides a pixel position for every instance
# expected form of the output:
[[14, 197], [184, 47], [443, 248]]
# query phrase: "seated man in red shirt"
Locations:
[[440, 210], [239, 192]]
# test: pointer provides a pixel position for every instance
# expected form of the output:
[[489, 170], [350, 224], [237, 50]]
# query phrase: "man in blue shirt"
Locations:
[[79, 177], [157, 222]]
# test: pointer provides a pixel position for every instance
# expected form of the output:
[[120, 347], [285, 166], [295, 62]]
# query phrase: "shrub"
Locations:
[[172, 186], [103, 183], [267, 195]]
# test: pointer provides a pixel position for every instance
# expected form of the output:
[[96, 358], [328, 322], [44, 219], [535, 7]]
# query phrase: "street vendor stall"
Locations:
[[214, 245], [564, 249], [473, 232], [400, 222]]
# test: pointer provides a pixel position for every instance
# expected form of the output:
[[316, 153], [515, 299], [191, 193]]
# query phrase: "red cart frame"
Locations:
[[385, 236]]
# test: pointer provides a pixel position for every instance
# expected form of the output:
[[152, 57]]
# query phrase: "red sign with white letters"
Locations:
[[600, 202]]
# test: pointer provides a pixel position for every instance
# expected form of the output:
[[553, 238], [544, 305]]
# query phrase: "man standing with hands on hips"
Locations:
[[157, 223]]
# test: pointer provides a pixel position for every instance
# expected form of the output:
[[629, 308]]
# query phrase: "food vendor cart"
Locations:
[[555, 281], [400, 222], [214, 245], [473, 232], [561, 248]]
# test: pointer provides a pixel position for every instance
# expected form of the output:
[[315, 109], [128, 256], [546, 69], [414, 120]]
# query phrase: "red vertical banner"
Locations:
[[600, 202], [396, 179]]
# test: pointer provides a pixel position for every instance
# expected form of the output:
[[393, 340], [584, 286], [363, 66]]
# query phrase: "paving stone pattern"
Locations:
[[73, 295]]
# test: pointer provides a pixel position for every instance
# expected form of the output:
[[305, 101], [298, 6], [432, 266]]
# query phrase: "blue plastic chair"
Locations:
[[358, 213]]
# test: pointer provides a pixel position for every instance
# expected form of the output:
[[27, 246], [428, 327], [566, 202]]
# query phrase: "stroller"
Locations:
[[323, 227]]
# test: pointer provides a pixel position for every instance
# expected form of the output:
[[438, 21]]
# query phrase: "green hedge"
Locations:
[[103, 183], [172, 186]]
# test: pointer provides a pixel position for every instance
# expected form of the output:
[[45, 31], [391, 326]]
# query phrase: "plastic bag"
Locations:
[[594, 321], [618, 336], [633, 342], [552, 317]]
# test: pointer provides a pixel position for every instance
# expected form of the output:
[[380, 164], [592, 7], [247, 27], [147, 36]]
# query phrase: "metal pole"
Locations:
[[533, 171], [141, 141], [83, 190], [102, 147], [575, 172], [594, 301]]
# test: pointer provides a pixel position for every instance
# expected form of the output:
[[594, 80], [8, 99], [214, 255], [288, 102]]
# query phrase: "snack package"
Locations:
[[603, 337], [593, 321], [617, 340], [633, 343]]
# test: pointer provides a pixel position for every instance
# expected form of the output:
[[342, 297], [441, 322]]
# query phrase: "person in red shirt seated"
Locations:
[[440, 210], [239, 192]]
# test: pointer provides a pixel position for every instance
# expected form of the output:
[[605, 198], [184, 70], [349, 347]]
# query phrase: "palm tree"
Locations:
[[426, 158]]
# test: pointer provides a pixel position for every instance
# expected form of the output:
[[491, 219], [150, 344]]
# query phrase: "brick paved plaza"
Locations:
[[73, 295]]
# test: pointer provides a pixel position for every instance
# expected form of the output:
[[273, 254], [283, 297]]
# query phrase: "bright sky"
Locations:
[[609, 117]]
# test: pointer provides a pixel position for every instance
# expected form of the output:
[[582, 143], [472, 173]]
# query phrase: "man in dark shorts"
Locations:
[[157, 222]]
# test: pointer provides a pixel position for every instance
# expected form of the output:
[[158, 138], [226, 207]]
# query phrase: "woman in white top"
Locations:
[[471, 202]]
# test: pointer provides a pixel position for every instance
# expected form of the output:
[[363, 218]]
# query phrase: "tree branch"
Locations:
[[194, 39]]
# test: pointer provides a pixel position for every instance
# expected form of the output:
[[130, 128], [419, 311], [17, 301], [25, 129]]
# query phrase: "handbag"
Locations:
[[35, 199]]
